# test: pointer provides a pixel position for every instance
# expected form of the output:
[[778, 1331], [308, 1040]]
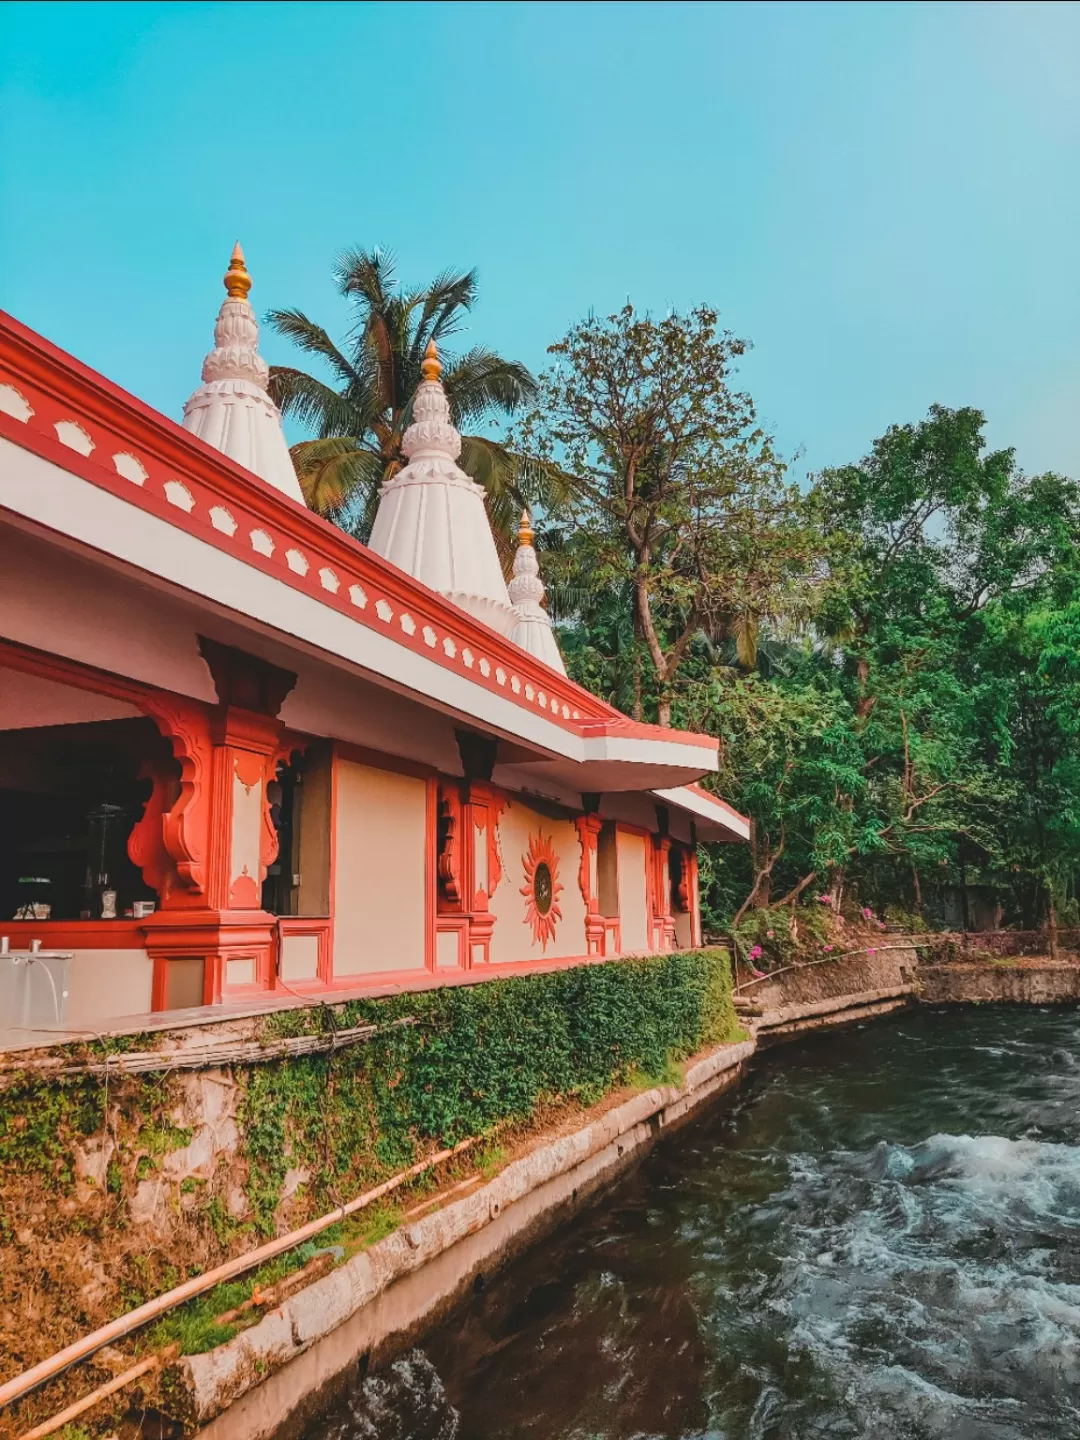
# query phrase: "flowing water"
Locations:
[[878, 1237]]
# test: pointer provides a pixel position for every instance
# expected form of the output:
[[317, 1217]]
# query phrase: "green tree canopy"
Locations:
[[677, 499]]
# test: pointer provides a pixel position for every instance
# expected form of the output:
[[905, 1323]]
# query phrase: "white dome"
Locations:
[[231, 409], [431, 521]]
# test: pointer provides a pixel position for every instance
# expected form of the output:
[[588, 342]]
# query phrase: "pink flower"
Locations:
[[758, 974], [882, 925], [770, 934], [868, 914], [871, 951], [755, 952], [824, 899], [826, 947]]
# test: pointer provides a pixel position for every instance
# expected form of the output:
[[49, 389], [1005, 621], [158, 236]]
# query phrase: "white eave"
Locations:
[[60, 501], [714, 819]]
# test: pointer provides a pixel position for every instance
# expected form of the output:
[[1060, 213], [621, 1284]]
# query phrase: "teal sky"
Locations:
[[883, 198]]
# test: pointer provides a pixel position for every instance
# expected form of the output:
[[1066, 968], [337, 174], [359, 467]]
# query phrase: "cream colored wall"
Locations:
[[512, 939], [299, 957], [380, 829], [104, 984], [684, 929], [247, 811], [633, 894]]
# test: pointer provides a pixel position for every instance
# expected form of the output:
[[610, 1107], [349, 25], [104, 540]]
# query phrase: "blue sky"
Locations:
[[883, 198]]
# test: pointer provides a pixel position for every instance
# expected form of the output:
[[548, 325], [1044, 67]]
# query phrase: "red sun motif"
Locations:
[[542, 888]]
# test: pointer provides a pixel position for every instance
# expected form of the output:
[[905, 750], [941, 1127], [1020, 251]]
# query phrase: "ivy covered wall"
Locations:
[[111, 1192]]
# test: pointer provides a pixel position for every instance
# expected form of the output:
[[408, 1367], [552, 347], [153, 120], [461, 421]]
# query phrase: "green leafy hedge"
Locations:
[[472, 1057]]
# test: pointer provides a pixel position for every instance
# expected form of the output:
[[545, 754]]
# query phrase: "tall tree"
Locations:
[[361, 411], [676, 487]]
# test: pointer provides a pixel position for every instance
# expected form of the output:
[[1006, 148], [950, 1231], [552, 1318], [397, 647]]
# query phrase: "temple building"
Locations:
[[245, 758]]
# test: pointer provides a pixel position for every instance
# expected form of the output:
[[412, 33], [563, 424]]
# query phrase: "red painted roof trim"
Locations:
[[308, 553]]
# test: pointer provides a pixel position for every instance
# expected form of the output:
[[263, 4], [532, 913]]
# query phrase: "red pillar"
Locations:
[[588, 828], [206, 838]]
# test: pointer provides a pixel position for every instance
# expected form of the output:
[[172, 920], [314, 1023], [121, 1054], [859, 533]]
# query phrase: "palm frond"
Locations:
[[312, 402], [336, 474], [312, 339], [481, 382], [359, 424], [366, 274], [447, 297]]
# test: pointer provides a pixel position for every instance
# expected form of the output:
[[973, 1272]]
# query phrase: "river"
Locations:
[[878, 1236]]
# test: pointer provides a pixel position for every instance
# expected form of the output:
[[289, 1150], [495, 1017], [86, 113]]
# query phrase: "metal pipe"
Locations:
[[80, 1407], [832, 959], [134, 1320]]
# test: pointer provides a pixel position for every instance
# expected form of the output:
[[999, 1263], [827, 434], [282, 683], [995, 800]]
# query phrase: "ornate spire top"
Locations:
[[232, 409], [431, 520], [431, 367], [432, 430], [533, 630], [237, 281]]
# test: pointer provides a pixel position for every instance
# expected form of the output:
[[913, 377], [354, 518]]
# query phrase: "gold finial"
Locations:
[[431, 367], [237, 281], [525, 530]]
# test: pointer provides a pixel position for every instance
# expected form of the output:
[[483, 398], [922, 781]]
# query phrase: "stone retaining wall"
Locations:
[[1042, 982], [270, 1379]]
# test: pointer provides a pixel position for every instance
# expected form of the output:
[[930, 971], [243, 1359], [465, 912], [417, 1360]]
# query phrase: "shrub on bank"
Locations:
[[449, 1063]]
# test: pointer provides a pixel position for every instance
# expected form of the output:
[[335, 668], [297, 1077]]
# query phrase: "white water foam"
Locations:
[[939, 1284]]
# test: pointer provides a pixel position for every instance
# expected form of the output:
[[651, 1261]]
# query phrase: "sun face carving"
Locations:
[[542, 888]]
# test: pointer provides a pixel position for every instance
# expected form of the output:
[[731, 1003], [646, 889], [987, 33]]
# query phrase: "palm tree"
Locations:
[[359, 418]]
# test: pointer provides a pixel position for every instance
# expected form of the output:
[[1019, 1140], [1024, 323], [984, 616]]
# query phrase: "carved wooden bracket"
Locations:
[[487, 805], [682, 885], [146, 844], [244, 680], [588, 828], [451, 881], [185, 825]]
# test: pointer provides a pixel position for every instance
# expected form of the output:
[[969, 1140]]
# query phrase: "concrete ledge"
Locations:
[[269, 1379], [788, 1019], [847, 1016]]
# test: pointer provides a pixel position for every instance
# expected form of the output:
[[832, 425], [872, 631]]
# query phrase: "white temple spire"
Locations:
[[231, 409], [431, 520], [533, 630]]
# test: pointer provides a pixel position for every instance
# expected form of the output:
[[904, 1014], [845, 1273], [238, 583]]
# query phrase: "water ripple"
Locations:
[[877, 1239]]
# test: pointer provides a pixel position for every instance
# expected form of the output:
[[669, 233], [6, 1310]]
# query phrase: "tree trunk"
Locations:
[[865, 702], [965, 909], [663, 711], [1051, 923], [836, 888], [916, 890], [793, 894], [639, 709]]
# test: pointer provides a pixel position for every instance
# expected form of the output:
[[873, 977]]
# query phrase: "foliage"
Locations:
[[40, 1123], [677, 504], [474, 1057], [360, 413], [195, 1326], [927, 731]]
